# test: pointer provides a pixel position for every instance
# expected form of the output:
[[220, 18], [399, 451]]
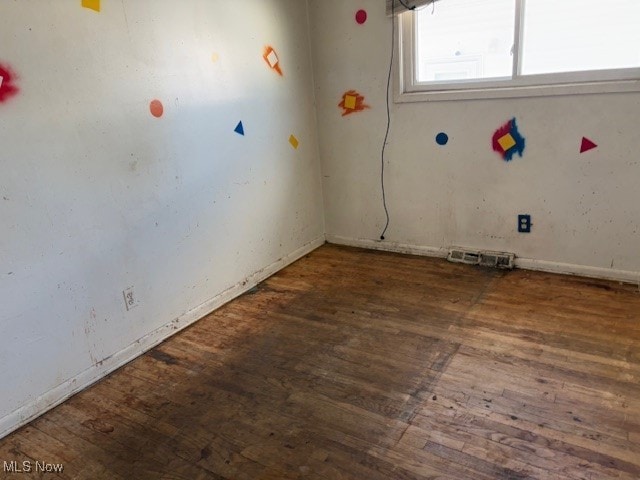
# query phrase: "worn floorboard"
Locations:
[[354, 364]]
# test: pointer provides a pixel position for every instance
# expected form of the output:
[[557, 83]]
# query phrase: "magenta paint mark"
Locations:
[[361, 16], [8, 88], [587, 145]]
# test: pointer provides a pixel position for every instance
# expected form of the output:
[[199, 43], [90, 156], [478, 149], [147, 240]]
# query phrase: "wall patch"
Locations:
[[91, 4], [7, 87], [156, 108], [442, 138], [352, 102], [271, 57], [587, 145], [507, 140], [361, 16], [294, 141]]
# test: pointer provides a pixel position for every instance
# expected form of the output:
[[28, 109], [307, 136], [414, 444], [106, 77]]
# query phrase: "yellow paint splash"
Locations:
[[91, 4]]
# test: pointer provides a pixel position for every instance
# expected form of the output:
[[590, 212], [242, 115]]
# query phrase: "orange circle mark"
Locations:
[[156, 108]]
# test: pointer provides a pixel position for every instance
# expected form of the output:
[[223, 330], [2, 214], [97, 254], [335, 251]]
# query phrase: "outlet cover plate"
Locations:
[[524, 223]]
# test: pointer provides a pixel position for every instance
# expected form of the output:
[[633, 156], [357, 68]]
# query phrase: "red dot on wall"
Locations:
[[361, 16], [156, 108]]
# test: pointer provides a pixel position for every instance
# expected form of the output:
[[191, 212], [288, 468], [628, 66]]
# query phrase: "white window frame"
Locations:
[[566, 83]]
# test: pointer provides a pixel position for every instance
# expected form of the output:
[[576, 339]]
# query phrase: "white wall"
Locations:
[[585, 208], [97, 195]]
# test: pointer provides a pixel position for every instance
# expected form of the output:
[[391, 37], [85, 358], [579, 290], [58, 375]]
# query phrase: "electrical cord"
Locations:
[[386, 135]]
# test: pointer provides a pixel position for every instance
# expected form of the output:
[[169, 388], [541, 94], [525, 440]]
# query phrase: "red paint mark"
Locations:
[[7, 87], [352, 102], [271, 57], [361, 16], [587, 145], [501, 132], [156, 108]]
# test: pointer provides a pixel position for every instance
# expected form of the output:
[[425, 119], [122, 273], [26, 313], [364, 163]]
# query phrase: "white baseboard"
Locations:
[[625, 276], [62, 392], [524, 263], [387, 246]]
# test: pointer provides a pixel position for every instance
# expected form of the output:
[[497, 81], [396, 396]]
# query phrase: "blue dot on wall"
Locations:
[[442, 138]]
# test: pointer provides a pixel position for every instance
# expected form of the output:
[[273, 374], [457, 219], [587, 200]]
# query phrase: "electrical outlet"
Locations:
[[130, 300], [524, 223]]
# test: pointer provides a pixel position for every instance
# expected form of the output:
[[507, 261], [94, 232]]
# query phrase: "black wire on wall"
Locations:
[[386, 135]]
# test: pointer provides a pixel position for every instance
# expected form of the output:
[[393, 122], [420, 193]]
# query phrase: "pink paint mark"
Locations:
[[361, 16], [7, 87], [587, 145], [501, 132]]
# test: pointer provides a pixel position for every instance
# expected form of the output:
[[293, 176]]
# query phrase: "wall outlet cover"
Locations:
[[524, 223]]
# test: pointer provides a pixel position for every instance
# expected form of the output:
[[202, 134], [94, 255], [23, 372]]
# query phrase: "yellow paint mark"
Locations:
[[92, 4], [215, 57], [294, 141], [350, 102], [506, 142]]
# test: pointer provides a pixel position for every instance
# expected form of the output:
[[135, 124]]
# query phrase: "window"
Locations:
[[499, 48]]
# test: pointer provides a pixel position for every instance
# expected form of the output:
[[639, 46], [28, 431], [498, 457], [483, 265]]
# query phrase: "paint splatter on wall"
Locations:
[[8, 88], [361, 17], [507, 140], [587, 145], [91, 4], [156, 108], [352, 102], [442, 139], [271, 57]]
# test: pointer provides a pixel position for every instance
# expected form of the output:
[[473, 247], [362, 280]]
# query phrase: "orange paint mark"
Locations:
[[156, 108], [352, 102], [271, 57]]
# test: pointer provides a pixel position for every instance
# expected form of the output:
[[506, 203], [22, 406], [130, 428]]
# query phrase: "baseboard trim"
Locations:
[[387, 246], [625, 276], [93, 374], [523, 263]]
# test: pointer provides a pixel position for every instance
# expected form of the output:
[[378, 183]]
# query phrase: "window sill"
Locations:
[[481, 93]]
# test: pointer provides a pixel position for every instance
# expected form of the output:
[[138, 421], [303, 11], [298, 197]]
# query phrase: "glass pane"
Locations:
[[465, 40], [578, 35]]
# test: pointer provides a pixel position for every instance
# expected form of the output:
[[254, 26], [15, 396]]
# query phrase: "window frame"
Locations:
[[564, 83]]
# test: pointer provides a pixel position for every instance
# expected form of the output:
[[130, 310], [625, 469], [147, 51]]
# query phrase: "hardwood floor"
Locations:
[[353, 364]]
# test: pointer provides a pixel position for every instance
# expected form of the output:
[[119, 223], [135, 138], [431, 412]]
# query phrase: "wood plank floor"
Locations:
[[353, 364]]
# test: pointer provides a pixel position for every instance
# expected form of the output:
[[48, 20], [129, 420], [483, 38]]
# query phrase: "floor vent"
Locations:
[[482, 258]]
